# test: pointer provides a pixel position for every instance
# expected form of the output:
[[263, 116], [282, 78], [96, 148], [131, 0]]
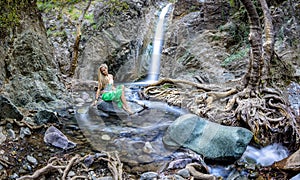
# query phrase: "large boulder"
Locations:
[[112, 109], [212, 140]]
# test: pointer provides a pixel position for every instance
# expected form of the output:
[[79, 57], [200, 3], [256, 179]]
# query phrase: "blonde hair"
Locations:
[[101, 78]]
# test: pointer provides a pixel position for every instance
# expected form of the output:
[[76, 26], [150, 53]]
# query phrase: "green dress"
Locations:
[[113, 95]]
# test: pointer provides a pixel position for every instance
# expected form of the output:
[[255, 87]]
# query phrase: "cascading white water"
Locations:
[[154, 69]]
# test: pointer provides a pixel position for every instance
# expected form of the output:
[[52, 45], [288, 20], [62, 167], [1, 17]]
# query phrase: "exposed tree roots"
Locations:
[[265, 112], [62, 166]]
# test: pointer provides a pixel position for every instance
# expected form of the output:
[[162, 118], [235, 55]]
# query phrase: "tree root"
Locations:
[[76, 164], [264, 111], [195, 170], [47, 169]]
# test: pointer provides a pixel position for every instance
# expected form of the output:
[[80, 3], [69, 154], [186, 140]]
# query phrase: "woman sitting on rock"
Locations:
[[107, 90]]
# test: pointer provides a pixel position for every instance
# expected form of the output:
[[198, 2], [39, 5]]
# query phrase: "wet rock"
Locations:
[[9, 110], [179, 163], [213, 141], [149, 176], [291, 163], [111, 109], [148, 148], [105, 137], [177, 177], [56, 138], [265, 156], [184, 173]]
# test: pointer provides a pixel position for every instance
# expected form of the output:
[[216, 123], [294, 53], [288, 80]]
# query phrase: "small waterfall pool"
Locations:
[[138, 139]]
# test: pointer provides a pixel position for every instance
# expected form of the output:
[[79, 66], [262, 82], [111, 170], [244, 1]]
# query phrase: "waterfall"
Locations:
[[154, 69]]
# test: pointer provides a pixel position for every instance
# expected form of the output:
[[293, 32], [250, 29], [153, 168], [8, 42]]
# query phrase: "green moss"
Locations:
[[117, 6], [10, 13], [89, 17], [236, 56]]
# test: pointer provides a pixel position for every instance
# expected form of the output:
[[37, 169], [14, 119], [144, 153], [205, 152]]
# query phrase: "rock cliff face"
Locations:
[[123, 45], [197, 40], [29, 73]]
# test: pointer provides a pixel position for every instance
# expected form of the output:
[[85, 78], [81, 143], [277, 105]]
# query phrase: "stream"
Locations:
[[138, 138]]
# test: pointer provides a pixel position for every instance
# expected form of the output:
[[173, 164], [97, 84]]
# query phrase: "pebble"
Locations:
[[184, 173], [177, 177], [11, 134], [148, 148], [149, 176], [25, 132], [105, 137], [32, 160], [71, 174]]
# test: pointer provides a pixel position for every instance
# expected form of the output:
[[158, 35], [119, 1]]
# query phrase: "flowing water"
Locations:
[[138, 139], [158, 40]]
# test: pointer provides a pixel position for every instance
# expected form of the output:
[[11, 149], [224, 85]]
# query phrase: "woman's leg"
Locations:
[[124, 101]]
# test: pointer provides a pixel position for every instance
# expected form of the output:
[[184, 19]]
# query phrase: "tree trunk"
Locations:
[[254, 74], [77, 41], [268, 46]]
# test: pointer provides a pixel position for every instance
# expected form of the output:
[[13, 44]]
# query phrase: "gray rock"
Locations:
[[111, 108], [32, 160], [25, 132], [56, 138], [11, 134], [45, 116], [149, 176], [184, 173], [213, 141], [177, 177], [9, 110]]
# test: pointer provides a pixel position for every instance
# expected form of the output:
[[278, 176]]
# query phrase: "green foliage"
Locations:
[[117, 6], [9, 19], [236, 56], [89, 17], [48, 5], [10, 15], [74, 13]]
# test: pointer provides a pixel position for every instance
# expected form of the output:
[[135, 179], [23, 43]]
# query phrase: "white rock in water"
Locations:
[[105, 137]]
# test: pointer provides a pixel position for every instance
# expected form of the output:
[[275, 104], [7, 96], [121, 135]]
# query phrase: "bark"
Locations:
[[74, 63], [268, 46], [254, 74]]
